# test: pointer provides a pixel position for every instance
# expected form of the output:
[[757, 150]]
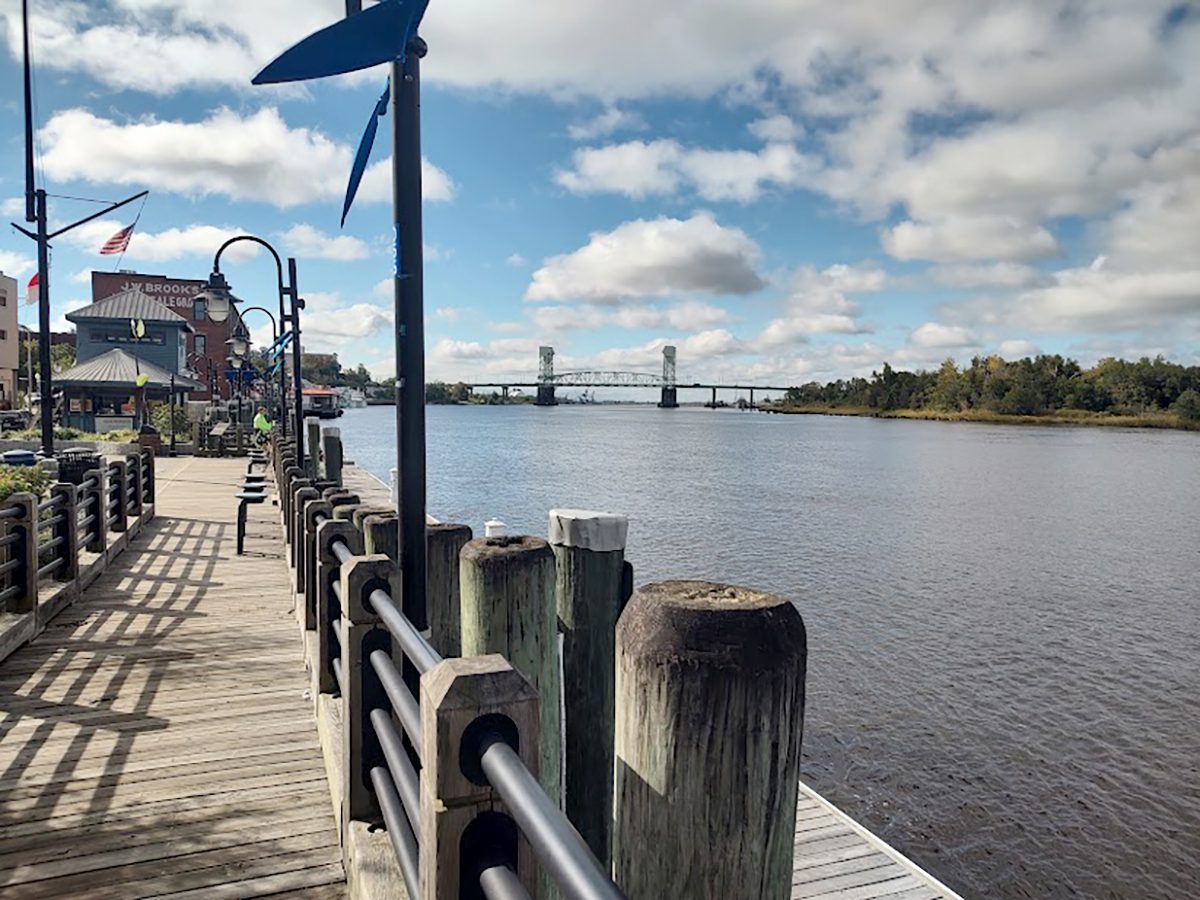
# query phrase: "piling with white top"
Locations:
[[591, 586]]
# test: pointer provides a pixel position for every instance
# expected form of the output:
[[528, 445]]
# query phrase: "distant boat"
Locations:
[[322, 403]]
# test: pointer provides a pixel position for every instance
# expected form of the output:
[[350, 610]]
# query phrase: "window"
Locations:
[[202, 344], [199, 310], [3, 334]]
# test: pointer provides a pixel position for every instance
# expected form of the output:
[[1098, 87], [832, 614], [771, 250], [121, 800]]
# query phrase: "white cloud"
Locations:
[[610, 120], [307, 242], [376, 187], [935, 335], [639, 169], [447, 313], [777, 128], [997, 275], [1017, 349], [516, 260], [16, 265], [245, 157], [1090, 299], [984, 237], [653, 258], [13, 206], [636, 169], [687, 316], [819, 303], [330, 323]]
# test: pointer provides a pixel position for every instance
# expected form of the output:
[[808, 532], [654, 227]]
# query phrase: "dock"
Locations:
[[158, 738]]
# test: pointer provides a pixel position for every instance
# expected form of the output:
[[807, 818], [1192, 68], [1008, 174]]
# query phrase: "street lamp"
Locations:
[[217, 291], [276, 349]]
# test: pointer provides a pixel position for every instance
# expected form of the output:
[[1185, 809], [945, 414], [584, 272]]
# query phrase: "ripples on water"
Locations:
[[1004, 669]]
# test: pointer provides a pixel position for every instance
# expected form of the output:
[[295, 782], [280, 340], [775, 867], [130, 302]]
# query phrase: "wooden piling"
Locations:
[[331, 450], [507, 589], [710, 708], [589, 555], [444, 542], [312, 461]]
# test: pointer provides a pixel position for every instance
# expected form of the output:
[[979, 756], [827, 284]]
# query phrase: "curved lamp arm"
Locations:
[[254, 240]]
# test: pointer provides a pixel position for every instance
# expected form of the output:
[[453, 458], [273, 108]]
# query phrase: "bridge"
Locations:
[[187, 717], [667, 383]]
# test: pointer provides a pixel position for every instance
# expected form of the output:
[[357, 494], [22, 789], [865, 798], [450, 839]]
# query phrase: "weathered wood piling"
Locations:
[[444, 542], [710, 708], [590, 591], [507, 587]]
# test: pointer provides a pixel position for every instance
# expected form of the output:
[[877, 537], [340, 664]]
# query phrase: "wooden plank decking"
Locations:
[[157, 740]]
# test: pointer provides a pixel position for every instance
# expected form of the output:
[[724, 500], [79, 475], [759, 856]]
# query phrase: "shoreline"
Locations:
[[1161, 420]]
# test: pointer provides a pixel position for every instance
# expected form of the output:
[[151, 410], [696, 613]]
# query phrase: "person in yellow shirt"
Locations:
[[262, 424]]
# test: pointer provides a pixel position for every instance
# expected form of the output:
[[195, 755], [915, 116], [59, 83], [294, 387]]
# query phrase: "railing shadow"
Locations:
[[84, 753]]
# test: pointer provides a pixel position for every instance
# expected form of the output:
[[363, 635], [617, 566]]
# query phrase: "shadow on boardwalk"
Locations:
[[157, 739]]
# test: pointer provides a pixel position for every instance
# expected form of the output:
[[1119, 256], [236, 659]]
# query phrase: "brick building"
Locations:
[[206, 346]]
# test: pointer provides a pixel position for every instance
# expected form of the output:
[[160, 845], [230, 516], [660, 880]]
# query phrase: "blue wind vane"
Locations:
[[376, 35]]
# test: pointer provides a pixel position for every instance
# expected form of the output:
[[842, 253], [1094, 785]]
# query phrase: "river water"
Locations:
[[1004, 622]]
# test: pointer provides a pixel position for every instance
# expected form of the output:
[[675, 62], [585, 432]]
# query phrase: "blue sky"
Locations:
[[786, 190]]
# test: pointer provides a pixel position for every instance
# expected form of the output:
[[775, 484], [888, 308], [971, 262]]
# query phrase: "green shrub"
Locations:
[[1187, 406], [22, 479], [160, 418]]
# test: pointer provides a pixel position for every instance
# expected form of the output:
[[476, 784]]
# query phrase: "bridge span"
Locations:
[[668, 384]]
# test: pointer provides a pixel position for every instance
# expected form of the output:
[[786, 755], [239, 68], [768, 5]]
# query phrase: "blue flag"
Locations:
[[376, 35], [363, 156]]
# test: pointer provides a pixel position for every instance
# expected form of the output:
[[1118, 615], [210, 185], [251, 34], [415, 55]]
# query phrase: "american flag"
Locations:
[[118, 243]]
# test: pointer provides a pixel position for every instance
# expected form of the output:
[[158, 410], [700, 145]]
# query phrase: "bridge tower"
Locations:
[[545, 388], [669, 399]]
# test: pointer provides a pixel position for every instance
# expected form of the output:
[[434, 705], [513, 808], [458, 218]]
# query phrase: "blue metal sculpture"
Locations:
[[376, 35]]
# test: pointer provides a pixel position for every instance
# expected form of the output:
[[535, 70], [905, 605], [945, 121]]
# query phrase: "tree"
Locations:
[[1187, 407]]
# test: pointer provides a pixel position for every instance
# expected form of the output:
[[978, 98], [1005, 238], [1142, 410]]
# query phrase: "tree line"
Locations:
[[1031, 386]]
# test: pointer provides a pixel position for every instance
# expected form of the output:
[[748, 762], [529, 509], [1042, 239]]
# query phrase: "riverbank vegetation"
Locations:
[[1148, 393]]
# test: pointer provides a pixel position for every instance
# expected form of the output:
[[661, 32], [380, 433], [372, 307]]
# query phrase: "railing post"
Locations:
[[329, 611], [134, 468], [361, 635], [93, 501], [589, 556], [67, 530], [148, 477], [460, 815], [25, 552], [710, 687], [444, 542], [117, 504], [331, 450], [306, 549], [507, 587], [295, 522]]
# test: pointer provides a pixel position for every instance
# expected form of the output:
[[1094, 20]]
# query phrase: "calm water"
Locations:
[[1004, 622]]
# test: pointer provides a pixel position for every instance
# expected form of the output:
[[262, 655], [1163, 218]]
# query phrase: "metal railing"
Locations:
[[379, 693], [44, 538]]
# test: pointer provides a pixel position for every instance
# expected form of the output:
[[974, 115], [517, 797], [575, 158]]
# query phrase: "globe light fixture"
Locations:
[[218, 299]]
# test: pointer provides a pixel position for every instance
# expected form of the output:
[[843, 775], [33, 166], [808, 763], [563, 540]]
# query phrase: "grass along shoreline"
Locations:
[[1062, 417]]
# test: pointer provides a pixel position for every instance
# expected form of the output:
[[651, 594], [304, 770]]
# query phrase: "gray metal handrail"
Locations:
[[554, 840], [556, 843]]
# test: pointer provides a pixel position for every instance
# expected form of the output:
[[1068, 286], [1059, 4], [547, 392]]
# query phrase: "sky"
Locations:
[[786, 190]]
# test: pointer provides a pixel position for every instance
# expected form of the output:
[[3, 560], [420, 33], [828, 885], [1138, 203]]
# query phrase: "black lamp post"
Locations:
[[220, 301], [274, 342]]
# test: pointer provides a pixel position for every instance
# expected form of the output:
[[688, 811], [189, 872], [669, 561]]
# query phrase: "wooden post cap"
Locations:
[[588, 530], [500, 551], [716, 625]]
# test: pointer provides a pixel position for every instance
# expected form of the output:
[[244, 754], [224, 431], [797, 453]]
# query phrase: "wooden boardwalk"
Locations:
[[157, 739], [838, 859]]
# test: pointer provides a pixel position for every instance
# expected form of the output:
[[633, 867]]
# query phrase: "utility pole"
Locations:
[[35, 212]]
